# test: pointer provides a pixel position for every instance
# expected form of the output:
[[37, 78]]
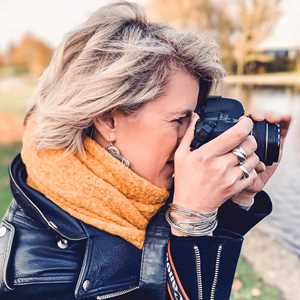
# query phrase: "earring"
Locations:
[[115, 152]]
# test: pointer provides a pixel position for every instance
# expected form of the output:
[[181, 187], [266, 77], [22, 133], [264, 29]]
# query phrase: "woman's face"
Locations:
[[149, 137]]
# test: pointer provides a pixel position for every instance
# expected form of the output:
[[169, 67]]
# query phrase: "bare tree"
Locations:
[[206, 16], [238, 25], [255, 20]]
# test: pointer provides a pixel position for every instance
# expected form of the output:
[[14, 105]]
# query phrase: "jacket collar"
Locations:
[[38, 206], [111, 266]]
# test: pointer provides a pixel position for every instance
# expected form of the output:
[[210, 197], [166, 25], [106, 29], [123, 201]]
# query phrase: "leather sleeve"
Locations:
[[236, 219], [202, 267]]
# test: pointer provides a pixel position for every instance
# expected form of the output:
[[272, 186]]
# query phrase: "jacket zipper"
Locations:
[[198, 272], [115, 294], [215, 280]]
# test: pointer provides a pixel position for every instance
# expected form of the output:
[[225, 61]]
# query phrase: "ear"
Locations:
[[105, 125]]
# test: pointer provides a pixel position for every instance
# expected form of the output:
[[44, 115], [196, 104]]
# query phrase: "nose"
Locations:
[[180, 136], [182, 130]]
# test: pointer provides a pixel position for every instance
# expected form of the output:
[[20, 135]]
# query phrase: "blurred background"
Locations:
[[260, 49]]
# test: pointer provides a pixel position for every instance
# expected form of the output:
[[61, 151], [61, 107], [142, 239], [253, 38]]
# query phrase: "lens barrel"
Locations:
[[267, 136]]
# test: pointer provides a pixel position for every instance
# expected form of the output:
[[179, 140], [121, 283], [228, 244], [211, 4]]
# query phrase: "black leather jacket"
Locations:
[[46, 254]]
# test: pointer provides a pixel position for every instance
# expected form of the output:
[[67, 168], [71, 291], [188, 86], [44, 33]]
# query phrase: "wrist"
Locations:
[[244, 199], [178, 233], [187, 222], [200, 207]]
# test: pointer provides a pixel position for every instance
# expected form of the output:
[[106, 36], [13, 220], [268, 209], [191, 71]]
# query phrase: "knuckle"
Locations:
[[255, 159], [230, 181], [204, 156], [220, 167], [253, 142], [246, 126], [253, 177], [242, 132], [254, 174], [251, 181], [250, 122]]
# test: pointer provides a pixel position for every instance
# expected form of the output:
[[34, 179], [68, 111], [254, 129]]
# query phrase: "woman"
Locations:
[[111, 124]]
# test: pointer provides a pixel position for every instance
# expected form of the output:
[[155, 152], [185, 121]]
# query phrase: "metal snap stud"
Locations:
[[86, 285], [2, 231], [63, 244]]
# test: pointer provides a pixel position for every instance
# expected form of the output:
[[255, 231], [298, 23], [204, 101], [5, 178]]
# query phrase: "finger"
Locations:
[[260, 167], [286, 118], [257, 116], [250, 164], [245, 182], [187, 139], [272, 117], [249, 146], [285, 123], [229, 139]]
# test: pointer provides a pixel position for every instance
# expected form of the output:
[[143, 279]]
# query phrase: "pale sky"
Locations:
[[51, 19], [286, 32], [47, 19]]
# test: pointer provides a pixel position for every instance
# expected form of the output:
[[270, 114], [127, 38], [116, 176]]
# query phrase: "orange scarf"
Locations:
[[97, 189]]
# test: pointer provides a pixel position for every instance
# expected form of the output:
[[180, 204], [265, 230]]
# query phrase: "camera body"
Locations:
[[219, 114]]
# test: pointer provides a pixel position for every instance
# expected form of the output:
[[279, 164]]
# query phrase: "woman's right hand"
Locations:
[[208, 176]]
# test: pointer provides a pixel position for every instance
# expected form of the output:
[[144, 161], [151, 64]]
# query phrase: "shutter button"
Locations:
[[3, 231], [62, 244], [86, 285]]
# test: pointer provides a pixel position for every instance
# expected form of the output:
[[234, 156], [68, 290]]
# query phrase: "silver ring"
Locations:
[[246, 173], [240, 153]]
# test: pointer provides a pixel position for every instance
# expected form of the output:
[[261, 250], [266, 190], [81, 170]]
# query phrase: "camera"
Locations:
[[219, 114]]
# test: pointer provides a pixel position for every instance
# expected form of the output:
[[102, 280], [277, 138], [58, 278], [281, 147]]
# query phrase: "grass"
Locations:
[[248, 285], [6, 155]]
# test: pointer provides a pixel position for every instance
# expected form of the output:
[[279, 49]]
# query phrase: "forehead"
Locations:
[[181, 94]]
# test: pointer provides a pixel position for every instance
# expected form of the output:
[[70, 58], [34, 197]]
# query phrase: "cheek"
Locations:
[[148, 148]]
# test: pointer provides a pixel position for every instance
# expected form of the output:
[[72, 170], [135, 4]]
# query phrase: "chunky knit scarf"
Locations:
[[97, 189]]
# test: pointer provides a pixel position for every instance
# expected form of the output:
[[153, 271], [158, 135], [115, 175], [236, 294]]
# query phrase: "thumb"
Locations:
[[189, 134]]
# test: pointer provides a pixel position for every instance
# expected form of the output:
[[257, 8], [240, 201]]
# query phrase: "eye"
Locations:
[[179, 120]]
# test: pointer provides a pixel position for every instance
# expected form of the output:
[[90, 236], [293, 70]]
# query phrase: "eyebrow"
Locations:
[[186, 112]]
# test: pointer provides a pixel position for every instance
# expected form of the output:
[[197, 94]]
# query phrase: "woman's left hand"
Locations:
[[264, 172]]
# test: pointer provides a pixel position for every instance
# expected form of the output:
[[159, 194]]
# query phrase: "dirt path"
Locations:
[[275, 264]]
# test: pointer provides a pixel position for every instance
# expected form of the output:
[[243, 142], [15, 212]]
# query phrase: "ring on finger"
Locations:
[[246, 173], [240, 153]]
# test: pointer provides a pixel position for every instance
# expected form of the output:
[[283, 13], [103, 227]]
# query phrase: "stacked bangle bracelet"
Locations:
[[196, 224]]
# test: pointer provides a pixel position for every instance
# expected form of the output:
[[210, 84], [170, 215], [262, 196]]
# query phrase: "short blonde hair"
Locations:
[[117, 59]]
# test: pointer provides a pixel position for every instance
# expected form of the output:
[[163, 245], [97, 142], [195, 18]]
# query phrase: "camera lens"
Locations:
[[267, 136]]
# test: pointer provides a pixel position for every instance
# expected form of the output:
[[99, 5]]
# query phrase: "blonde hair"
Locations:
[[117, 59]]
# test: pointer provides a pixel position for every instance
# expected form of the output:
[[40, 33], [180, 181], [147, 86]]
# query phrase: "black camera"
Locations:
[[219, 114]]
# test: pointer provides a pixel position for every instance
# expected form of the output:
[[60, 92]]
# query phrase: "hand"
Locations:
[[208, 176], [264, 172]]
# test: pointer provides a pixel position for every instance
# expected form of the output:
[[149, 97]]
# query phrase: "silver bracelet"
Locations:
[[204, 224], [192, 213]]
